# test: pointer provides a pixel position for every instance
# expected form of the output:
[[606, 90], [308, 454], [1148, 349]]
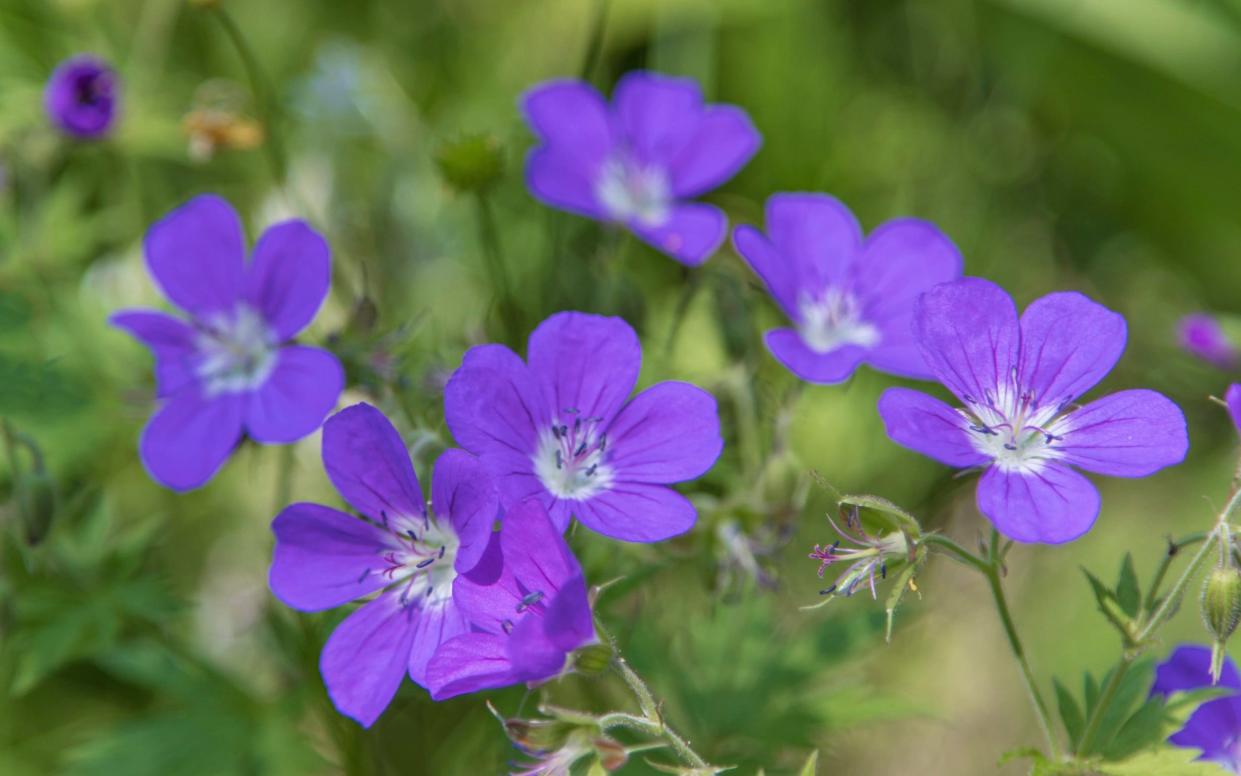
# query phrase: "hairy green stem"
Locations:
[[1174, 548]]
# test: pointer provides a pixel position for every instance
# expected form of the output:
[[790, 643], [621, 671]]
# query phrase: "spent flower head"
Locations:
[[867, 556]]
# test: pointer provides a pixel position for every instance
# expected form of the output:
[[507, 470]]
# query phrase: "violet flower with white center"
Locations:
[[1215, 726], [850, 299], [867, 558], [1202, 336], [412, 557], [81, 97], [527, 604], [229, 367], [1019, 383], [636, 162], [560, 428]]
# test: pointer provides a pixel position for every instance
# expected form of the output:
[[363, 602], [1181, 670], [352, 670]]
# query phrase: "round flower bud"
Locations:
[[592, 658], [473, 163], [1221, 611]]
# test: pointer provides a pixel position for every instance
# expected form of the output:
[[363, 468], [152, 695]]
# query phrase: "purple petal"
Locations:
[[668, 433], [637, 512], [926, 425], [1052, 506], [171, 341], [81, 97], [324, 558], [366, 658], [968, 333], [658, 115], [301, 390], [469, 663], [585, 364], [190, 437], [1189, 668], [560, 179], [1068, 344], [433, 626], [197, 253], [289, 276], [463, 491], [1201, 335], [834, 366], [1213, 728], [692, 233], [775, 269], [724, 140], [1127, 434], [818, 237], [533, 655], [368, 463], [568, 622], [571, 117], [1233, 399]]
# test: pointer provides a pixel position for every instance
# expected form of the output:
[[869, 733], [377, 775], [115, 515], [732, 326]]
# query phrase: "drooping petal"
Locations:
[[190, 437], [368, 463], [1213, 728], [1127, 434], [817, 235], [571, 117], [835, 366], [366, 657], [1052, 505], [488, 594], [637, 512], [324, 558], [301, 390], [1189, 668], [691, 234], [469, 663], [775, 269], [463, 491], [533, 656], [968, 333], [535, 552], [1233, 399], [560, 179], [171, 341], [433, 625], [668, 433], [288, 278], [724, 140], [1068, 344], [658, 114], [197, 253], [926, 425], [585, 364]]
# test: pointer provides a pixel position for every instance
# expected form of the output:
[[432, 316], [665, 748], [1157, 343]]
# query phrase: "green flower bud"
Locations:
[[38, 505], [1221, 611], [592, 658], [473, 163]]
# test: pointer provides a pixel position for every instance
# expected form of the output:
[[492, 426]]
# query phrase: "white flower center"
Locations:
[[1009, 427], [423, 553], [631, 192], [571, 457], [833, 320], [237, 351]]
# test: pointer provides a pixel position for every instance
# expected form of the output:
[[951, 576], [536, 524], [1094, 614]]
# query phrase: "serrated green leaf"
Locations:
[[1143, 730], [1108, 604], [1070, 712], [1133, 687], [1128, 592], [812, 765], [890, 514], [1090, 692]]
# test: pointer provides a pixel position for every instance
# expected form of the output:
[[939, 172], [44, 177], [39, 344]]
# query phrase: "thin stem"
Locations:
[[1165, 563], [957, 551], [595, 47], [489, 237], [1105, 699], [263, 93], [284, 477], [688, 288]]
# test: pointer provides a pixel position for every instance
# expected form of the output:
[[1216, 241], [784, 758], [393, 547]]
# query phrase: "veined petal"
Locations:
[[288, 278], [724, 140], [433, 625], [1127, 434], [926, 425], [691, 234], [637, 512], [301, 390], [1068, 344], [493, 405], [1051, 505], [834, 366], [197, 253], [533, 655], [171, 342], [366, 657], [324, 558], [968, 333], [668, 433], [368, 463], [190, 437], [585, 364], [463, 491], [469, 663]]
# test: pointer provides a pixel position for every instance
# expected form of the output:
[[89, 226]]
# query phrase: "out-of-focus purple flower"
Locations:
[[850, 299], [325, 558], [81, 97], [638, 161], [1202, 336], [1019, 382], [1232, 397], [526, 600], [1215, 726], [561, 429], [229, 368]]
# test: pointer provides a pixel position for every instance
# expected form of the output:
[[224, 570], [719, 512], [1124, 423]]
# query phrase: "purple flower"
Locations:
[[1232, 397], [526, 600], [1202, 336], [227, 368], [413, 557], [636, 161], [1018, 382], [81, 97], [1215, 726], [850, 299], [560, 429]]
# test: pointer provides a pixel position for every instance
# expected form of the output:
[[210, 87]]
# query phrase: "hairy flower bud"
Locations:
[[592, 658], [1221, 610]]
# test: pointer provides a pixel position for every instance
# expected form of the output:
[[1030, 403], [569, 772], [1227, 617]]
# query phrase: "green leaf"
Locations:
[[1070, 713], [1128, 593], [890, 514], [1090, 691], [1109, 605], [1166, 761], [812, 765], [1133, 688], [1143, 729]]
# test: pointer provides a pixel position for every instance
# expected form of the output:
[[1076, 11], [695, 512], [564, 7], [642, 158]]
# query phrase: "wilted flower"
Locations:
[[867, 557], [212, 129], [1019, 381], [850, 299], [325, 558], [228, 368], [635, 162], [81, 97], [1215, 726], [560, 428], [526, 600], [1202, 336]]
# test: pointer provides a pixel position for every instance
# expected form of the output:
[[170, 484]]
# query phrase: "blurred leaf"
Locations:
[[1167, 761], [811, 768], [1070, 713], [1128, 593], [1142, 730], [1133, 687]]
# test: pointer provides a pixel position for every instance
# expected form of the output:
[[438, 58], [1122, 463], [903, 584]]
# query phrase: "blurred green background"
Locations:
[[1084, 144]]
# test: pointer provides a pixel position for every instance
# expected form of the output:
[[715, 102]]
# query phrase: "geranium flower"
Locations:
[[527, 602], [81, 97], [560, 428], [1215, 726], [850, 299], [1018, 382], [325, 558], [637, 161], [228, 368]]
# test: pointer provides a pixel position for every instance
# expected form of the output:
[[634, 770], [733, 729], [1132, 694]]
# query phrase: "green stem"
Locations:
[[1085, 743], [1174, 549], [263, 94], [688, 288], [284, 477], [489, 237], [957, 552], [595, 48]]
